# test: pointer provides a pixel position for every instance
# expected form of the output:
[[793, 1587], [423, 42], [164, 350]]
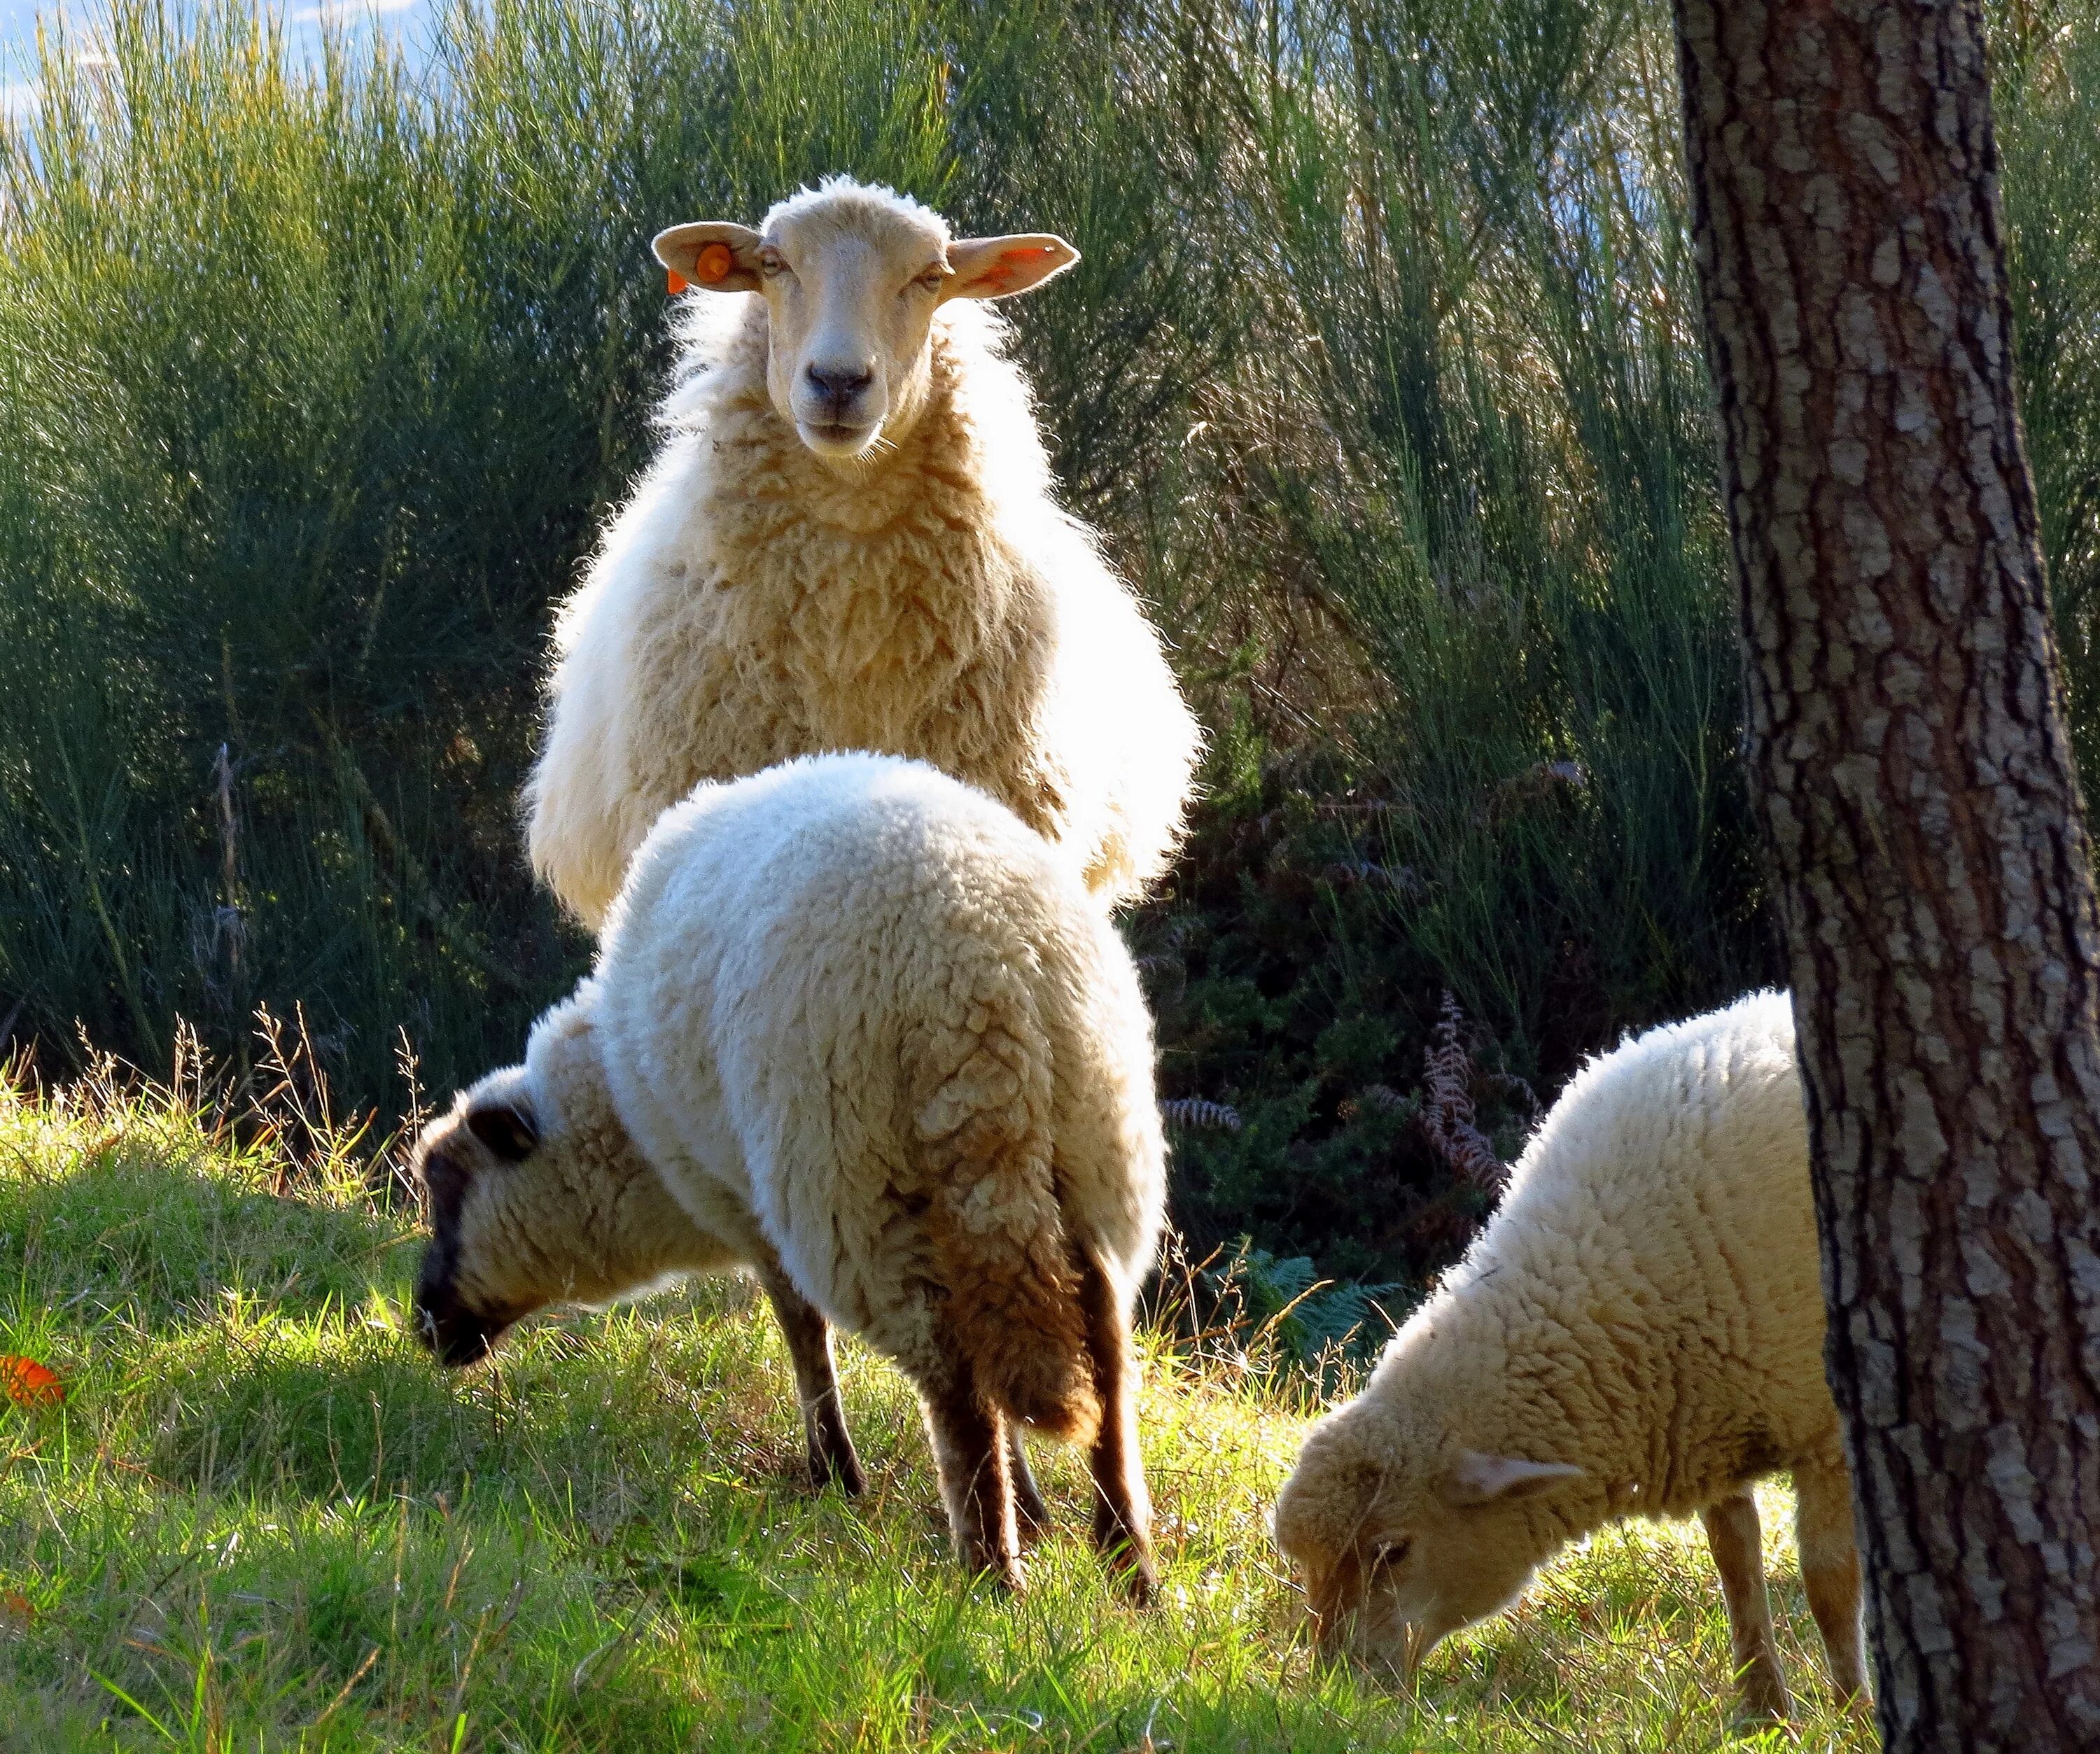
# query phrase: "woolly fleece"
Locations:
[[1639, 1330], [850, 987], [754, 601]]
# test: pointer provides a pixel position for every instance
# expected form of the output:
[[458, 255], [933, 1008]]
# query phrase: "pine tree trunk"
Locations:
[[1925, 831]]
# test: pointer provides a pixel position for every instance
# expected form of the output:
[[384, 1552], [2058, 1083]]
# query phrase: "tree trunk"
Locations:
[[1925, 835]]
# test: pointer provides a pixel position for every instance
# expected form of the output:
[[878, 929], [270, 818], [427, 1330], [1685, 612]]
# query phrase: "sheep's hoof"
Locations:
[[1135, 1572], [1140, 1583], [1002, 1575], [1031, 1516], [834, 1464], [842, 1471], [1759, 1705]]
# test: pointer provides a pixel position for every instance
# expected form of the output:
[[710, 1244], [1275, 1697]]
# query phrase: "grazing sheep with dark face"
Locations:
[[594, 1226], [854, 1024]]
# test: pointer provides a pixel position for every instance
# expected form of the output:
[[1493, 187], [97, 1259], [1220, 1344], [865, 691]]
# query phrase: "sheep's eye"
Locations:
[[771, 262], [1387, 1556], [930, 280]]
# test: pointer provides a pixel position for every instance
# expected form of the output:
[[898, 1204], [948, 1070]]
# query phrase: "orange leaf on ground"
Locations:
[[28, 1383], [15, 1602]]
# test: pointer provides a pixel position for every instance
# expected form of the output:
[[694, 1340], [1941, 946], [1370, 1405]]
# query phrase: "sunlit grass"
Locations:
[[261, 1517]]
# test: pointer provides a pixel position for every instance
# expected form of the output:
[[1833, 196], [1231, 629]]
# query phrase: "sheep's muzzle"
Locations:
[[1347, 1628], [443, 1321], [1333, 1595]]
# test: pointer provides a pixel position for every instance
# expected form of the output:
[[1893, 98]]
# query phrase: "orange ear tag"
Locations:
[[674, 283], [714, 264]]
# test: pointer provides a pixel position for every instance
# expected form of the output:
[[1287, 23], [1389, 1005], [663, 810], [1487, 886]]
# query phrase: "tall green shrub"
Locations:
[[319, 385]]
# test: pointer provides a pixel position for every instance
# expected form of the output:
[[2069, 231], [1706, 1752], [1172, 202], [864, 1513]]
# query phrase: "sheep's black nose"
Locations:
[[838, 387], [444, 1324]]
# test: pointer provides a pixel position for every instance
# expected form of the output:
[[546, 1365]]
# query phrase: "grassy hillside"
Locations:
[[261, 1518]]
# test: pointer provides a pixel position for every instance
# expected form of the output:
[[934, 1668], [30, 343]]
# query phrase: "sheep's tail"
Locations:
[[983, 1142]]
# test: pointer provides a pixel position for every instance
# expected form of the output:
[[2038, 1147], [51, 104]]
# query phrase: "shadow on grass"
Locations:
[[232, 1340], [370, 1425], [137, 1236], [281, 1413]]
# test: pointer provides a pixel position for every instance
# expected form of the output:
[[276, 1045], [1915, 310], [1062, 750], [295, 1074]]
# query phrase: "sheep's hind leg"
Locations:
[[1029, 1512], [970, 1455], [1830, 1570], [1123, 1509], [808, 1337], [1738, 1548]]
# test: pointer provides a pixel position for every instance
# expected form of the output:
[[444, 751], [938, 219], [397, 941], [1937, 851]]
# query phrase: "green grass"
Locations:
[[261, 1518]]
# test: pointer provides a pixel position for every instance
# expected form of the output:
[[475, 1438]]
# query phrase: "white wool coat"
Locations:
[[1646, 1303], [828, 988], [752, 602]]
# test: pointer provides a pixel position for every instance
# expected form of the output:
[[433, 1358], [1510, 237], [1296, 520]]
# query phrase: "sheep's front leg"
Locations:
[[1830, 1570], [808, 1337], [970, 1457], [1122, 1508], [1738, 1547]]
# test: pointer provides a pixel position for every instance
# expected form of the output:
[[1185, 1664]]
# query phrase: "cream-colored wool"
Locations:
[[1638, 1330], [771, 591], [859, 1021]]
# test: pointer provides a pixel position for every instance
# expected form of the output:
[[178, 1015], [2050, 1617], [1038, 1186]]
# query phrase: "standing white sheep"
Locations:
[[1639, 1330], [852, 1023], [849, 542]]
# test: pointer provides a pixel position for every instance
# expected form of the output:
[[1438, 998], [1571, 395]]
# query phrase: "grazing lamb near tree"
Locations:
[[854, 1024], [1639, 1330], [849, 542]]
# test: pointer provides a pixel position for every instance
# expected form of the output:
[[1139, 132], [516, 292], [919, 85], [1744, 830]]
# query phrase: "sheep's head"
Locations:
[[1401, 1535], [535, 1195], [471, 1166], [851, 277]]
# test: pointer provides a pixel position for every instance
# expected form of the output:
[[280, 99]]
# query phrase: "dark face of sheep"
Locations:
[[851, 276], [537, 1195], [457, 1314]]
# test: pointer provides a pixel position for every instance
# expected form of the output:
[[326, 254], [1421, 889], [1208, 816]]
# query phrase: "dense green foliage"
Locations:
[[261, 1517], [1381, 372]]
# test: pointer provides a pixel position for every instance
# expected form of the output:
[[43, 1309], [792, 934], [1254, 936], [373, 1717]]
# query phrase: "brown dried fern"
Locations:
[[1197, 1114], [1447, 1106]]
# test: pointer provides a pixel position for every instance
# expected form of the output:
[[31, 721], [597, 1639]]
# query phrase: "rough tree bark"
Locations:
[[1925, 831]]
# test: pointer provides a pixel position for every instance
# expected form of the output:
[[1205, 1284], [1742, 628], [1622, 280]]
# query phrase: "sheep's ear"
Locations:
[[1478, 1479], [717, 255], [507, 1128], [998, 267]]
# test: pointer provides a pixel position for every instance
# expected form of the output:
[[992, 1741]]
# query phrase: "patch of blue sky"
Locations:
[[304, 20]]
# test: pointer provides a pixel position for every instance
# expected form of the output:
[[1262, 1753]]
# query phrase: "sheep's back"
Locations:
[[1650, 1287], [789, 949]]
